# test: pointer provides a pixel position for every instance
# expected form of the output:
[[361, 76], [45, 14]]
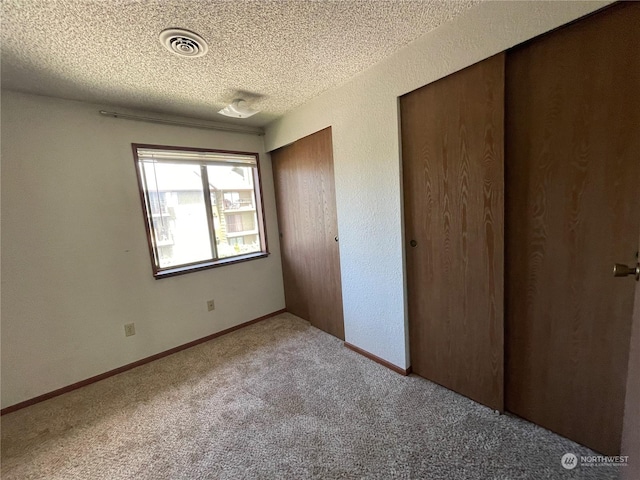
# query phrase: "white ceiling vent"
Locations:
[[183, 42]]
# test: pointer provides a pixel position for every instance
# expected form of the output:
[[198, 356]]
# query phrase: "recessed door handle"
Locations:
[[413, 243], [620, 270]]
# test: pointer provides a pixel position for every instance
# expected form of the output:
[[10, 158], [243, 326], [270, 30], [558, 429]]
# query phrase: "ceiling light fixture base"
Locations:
[[238, 109]]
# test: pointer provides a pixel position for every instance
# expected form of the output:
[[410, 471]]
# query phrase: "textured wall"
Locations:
[[75, 261], [364, 117]]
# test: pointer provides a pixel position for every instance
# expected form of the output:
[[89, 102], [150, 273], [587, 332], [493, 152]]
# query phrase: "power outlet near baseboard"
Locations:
[[129, 329], [210, 305]]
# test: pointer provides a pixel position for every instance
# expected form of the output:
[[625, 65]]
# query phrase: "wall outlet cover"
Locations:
[[129, 329]]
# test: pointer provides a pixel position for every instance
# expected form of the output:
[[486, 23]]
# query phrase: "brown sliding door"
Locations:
[[572, 211], [452, 159], [305, 197]]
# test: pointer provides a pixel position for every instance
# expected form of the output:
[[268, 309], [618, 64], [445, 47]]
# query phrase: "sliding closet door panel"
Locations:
[[294, 228], [326, 288], [573, 210], [305, 197], [452, 157]]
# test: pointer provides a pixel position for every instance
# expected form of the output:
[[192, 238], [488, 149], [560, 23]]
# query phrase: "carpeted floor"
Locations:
[[278, 399]]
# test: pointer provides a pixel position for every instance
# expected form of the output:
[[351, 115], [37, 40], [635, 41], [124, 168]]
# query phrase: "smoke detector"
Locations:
[[238, 109], [183, 42]]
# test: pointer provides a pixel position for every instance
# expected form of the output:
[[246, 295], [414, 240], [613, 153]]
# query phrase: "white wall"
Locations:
[[364, 117], [75, 261]]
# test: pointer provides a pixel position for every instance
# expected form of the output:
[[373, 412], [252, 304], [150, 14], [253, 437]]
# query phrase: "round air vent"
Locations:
[[183, 43]]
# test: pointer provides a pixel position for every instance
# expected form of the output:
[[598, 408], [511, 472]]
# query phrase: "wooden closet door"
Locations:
[[572, 211], [293, 223], [305, 198], [452, 159]]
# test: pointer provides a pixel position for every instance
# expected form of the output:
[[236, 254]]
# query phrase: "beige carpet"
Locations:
[[278, 399]]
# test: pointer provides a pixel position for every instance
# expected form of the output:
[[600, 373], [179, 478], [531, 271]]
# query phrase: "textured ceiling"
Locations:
[[280, 53]]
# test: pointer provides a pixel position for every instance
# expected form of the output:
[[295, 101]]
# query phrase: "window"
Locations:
[[234, 223], [202, 208]]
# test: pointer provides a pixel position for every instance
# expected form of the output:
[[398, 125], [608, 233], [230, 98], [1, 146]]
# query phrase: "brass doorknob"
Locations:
[[620, 270]]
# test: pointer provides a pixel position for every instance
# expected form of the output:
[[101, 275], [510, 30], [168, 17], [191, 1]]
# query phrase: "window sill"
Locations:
[[196, 267]]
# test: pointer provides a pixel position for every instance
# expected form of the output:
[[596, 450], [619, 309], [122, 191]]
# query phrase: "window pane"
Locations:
[[178, 213], [234, 210], [194, 225]]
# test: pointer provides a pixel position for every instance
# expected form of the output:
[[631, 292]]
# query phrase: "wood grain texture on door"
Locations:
[[453, 182], [307, 218], [572, 211], [295, 251]]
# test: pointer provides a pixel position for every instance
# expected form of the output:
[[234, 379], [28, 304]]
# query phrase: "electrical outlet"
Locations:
[[211, 305], [129, 329]]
